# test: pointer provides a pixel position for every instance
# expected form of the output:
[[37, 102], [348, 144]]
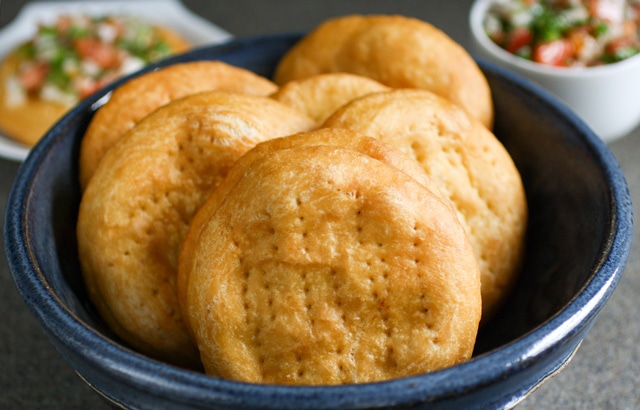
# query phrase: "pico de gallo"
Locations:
[[68, 60], [566, 33]]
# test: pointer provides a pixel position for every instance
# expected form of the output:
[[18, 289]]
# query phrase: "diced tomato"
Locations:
[[518, 38], [554, 53], [104, 55], [33, 76]]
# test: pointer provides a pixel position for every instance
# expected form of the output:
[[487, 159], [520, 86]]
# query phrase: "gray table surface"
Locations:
[[604, 374]]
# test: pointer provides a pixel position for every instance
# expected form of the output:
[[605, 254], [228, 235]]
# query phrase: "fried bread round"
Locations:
[[320, 95], [137, 208], [139, 96], [344, 138], [398, 51], [323, 265], [469, 165]]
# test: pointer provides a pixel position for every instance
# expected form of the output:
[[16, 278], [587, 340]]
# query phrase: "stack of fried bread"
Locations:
[[354, 220]]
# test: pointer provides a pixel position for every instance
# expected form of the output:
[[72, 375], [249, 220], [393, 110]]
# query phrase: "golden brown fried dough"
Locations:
[[140, 96], [137, 208], [323, 265], [398, 51], [344, 138], [176, 42], [469, 165], [320, 95]]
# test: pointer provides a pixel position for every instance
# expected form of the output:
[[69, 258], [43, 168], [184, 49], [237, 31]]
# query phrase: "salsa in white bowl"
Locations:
[[606, 96], [566, 33]]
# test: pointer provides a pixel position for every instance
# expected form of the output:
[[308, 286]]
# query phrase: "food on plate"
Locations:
[[320, 95], [566, 33], [397, 51], [321, 265], [468, 164], [139, 96], [70, 59], [137, 207]]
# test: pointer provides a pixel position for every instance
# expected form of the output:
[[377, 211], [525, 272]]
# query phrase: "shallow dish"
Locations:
[[607, 97], [169, 13], [578, 244]]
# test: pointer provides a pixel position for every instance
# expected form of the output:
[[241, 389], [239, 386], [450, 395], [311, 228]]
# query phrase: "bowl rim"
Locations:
[[476, 17], [126, 365]]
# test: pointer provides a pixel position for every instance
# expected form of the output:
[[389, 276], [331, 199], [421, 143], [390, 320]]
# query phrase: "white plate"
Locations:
[[168, 13]]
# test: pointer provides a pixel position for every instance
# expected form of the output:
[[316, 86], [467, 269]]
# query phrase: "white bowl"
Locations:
[[607, 97]]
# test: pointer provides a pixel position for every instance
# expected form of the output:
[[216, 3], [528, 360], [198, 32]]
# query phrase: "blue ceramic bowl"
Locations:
[[578, 244]]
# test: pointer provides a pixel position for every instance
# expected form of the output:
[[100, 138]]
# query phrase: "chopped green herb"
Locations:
[[27, 51], [600, 29], [50, 31], [76, 32], [548, 26], [58, 77], [620, 54]]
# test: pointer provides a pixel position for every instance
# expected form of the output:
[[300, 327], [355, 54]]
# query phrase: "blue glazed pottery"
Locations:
[[579, 237]]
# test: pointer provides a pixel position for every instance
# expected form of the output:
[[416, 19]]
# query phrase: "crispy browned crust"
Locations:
[[320, 95], [324, 265], [398, 51], [140, 96], [138, 206], [345, 138], [468, 164]]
